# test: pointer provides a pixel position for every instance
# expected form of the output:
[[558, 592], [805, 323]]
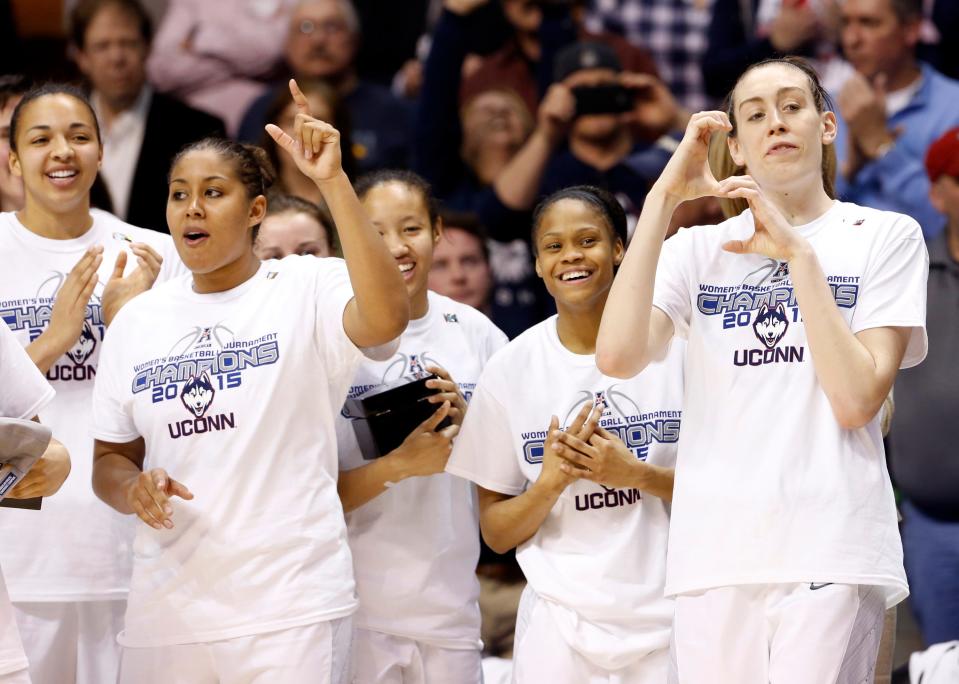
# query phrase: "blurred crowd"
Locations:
[[498, 103]]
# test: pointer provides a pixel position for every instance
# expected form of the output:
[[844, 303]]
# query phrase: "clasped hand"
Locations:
[[587, 451]]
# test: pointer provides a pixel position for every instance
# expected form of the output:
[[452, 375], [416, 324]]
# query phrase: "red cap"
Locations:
[[942, 156]]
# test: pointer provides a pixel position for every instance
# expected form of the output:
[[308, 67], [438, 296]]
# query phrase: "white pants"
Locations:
[[541, 655], [386, 659], [74, 642], [777, 634], [313, 654], [18, 677]]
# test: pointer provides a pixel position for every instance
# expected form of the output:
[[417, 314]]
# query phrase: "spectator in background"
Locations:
[[461, 268], [141, 129], [327, 106], [219, 59], [462, 151], [321, 44], [12, 89], [891, 109], [295, 226], [471, 269], [743, 32], [674, 31], [540, 29], [924, 429], [598, 148]]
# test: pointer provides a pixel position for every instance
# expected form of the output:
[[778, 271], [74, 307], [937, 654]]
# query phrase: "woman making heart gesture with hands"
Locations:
[[798, 313]]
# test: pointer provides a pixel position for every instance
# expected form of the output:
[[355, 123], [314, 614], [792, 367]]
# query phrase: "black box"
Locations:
[[383, 417]]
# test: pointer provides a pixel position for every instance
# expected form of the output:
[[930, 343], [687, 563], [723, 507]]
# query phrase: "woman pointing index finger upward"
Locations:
[[214, 419]]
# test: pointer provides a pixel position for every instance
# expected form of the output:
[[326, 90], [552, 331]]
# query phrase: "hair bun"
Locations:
[[267, 172]]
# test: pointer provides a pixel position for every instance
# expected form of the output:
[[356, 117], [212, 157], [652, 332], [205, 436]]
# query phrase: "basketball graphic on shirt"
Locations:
[[202, 336], [770, 325], [50, 287], [197, 394], [616, 403], [83, 348], [408, 364]]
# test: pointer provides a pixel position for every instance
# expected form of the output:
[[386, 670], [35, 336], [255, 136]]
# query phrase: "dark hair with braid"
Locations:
[[251, 164], [603, 202]]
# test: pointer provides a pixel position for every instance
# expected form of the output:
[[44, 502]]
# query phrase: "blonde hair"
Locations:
[[721, 159]]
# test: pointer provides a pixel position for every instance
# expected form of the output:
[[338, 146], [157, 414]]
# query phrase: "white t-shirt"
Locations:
[[770, 489], [416, 545], [87, 543], [599, 559], [24, 393], [234, 394]]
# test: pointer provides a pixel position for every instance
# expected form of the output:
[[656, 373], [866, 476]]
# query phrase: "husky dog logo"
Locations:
[[599, 399], [198, 394], [770, 325], [83, 347]]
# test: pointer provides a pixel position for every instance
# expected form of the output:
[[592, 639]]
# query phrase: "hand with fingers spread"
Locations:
[[70, 308], [149, 494], [121, 289], [582, 427], [426, 450], [655, 108], [687, 176], [314, 145], [773, 236], [447, 390]]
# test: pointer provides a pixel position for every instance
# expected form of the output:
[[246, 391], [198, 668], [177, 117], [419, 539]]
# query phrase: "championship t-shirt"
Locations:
[[598, 561], [416, 545], [769, 488], [23, 393], [234, 394], [86, 543]]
